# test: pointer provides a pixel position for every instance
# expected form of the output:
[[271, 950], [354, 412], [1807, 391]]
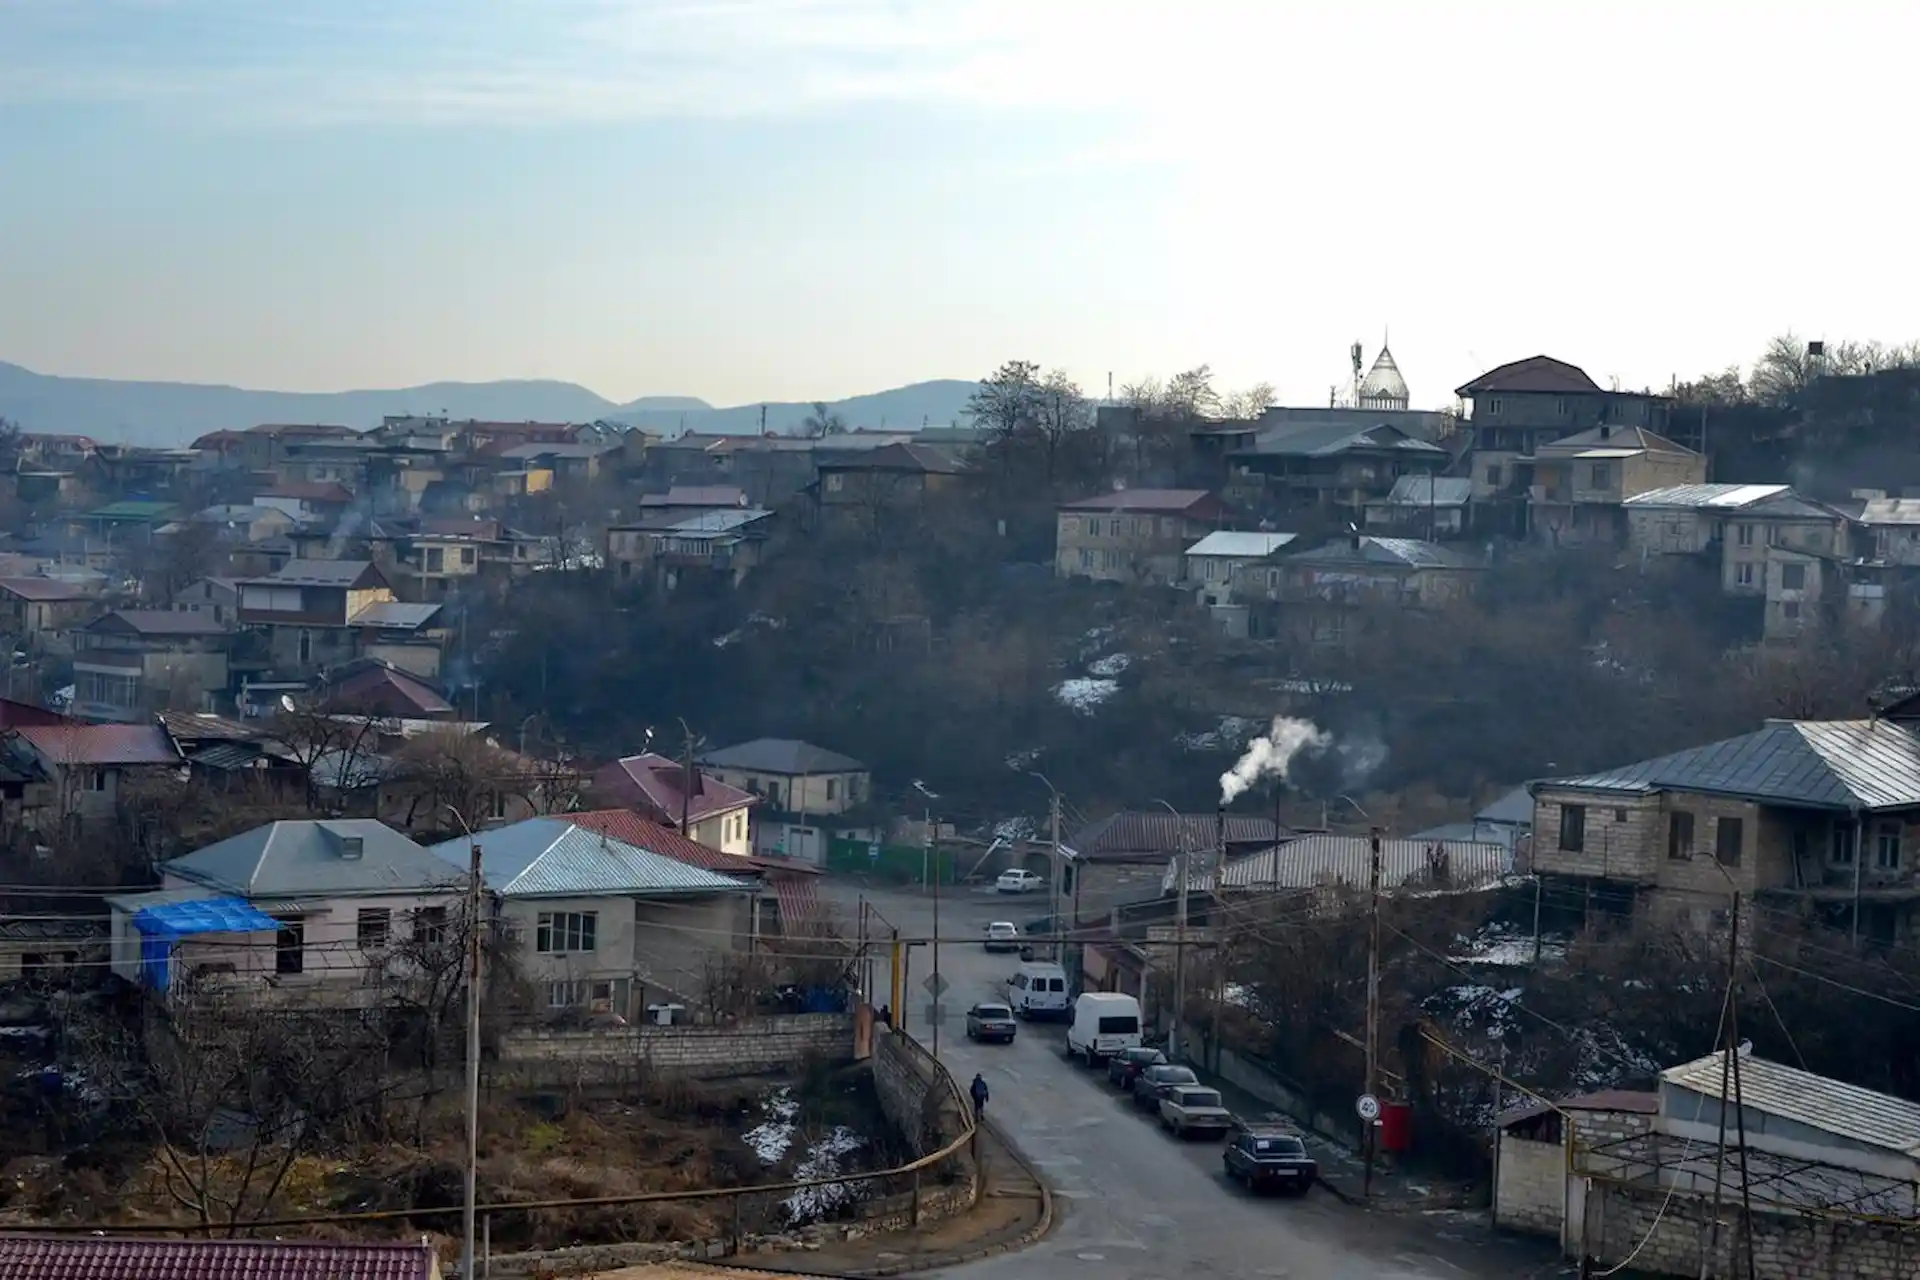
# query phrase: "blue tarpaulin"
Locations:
[[163, 925]]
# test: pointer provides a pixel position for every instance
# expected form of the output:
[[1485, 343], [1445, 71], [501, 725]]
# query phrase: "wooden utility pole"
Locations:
[[687, 743], [1739, 1097], [1727, 1049], [1373, 991], [1059, 947]]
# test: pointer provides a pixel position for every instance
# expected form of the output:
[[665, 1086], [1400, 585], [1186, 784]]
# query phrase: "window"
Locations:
[[1743, 534], [1493, 477], [1679, 835], [466, 555], [1886, 846], [1743, 574], [1619, 815], [430, 925], [1114, 527], [1086, 558], [562, 932], [835, 481], [290, 946], [306, 646], [1560, 406], [372, 929], [1573, 827], [436, 559], [497, 804], [833, 788], [1790, 609], [1602, 476], [566, 995], [1727, 838], [1209, 568], [96, 779], [1840, 850], [1493, 406], [1793, 577]]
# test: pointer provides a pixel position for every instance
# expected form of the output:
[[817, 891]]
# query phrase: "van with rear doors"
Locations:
[[1104, 1023], [1038, 989]]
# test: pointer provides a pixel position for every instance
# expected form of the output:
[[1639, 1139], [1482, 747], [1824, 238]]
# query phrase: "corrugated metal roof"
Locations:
[[550, 856], [1830, 764], [654, 837], [1430, 491], [1860, 1115], [291, 859], [100, 744], [1319, 860], [1408, 553], [1246, 546], [1891, 511], [109, 1258], [394, 613], [1712, 497], [1167, 500], [1153, 834]]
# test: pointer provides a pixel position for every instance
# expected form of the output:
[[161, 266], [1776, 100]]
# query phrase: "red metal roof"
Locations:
[[310, 491], [800, 907], [62, 744], [1535, 373], [630, 827], [655, 785], [43, 589], [111, 1258]]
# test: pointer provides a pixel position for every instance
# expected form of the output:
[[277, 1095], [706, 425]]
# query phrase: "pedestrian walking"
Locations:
[[979, 1091]]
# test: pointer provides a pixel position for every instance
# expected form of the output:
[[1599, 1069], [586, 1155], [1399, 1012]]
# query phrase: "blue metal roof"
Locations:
[[206, 915]]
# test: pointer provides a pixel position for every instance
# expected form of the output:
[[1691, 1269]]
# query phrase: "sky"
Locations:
[[799, 199]]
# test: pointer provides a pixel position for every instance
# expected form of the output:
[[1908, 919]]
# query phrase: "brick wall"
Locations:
[[534, 1057], [1786, 1247]]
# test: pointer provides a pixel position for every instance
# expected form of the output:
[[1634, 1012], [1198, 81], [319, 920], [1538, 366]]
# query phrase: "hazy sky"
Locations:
[[747, 199]]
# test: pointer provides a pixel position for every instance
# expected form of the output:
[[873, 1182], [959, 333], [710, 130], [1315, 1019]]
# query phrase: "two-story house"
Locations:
[[217, 598], [308, 608], [36, 612], [666, 544], [1581, 480], [1822, 817], [1327, 593], [1134, 535], [134, 662], [681, 796], [353, 904], [603, 926], [1335, 470], [90, 769], [1736, 524], [868, 483], [1514, 409], [1213, 561], [1430, 507], [804, 789]]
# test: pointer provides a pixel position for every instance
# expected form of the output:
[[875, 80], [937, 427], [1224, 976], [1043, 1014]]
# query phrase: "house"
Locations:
[[1518, 407], [1737, 525], [90, 768], [1330, 470], [307, 500], [218, 598], [680, 796], [567, 461], [892, 477], [1327, 592], [346, 896], [604, 926], [666, 544], [128, 523], [1422, 506], [375, 687], [412, 637], [1133, 535], [229, 754], [1580, 481], [804, 787], [1212, 562], [693, 499], [246, 522], [788, 905], [437, 766], [308, 609], [1819, 818], [133, 662], [1505, 822], [1894, 526], [1124, 857], [35, 610], [265, 445], [101, 1257]]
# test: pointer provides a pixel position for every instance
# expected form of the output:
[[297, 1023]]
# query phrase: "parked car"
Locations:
[[1270, 1155], [991, 1023], [1019, 881], [1122, 1067], [1003, 935], [1104, 1023], [1192, 1108], [1038, 989], [1152, 1084]]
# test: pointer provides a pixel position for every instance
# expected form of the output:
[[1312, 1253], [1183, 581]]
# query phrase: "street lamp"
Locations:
[[1179, 933], [928, 851], [469, 1268], [1053, 861]]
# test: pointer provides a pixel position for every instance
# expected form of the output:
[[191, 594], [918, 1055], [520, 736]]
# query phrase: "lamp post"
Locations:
[[469, 1265], [1056, 947]]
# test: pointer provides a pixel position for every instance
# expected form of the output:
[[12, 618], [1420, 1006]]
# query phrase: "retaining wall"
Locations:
[[1786, 1246], [549, 1058]]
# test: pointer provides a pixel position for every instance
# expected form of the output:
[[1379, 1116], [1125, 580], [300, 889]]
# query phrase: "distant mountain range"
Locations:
[[174, 413]]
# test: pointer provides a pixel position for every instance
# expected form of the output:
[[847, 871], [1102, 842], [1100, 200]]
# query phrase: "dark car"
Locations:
[[1270, 1155], [1128, 1063], [991, 1022], [1151, 1085]]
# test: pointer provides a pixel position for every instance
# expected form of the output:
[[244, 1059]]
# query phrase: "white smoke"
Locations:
[[1271, 755]]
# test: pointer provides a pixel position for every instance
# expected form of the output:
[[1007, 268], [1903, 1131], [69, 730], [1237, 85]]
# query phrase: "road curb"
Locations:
[[1344, 1197]]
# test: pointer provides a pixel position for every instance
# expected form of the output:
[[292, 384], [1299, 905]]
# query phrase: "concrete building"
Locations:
[[1133, 535]]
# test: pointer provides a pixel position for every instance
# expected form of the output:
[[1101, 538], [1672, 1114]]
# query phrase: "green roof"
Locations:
[[133, 511]]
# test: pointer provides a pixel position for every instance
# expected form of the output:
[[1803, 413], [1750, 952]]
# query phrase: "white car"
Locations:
[[1018, 881], [1003, 935]]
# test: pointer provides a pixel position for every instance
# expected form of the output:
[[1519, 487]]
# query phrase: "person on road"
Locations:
[[979, 1091]]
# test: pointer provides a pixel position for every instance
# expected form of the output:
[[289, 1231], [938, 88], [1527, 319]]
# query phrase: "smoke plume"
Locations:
[[1271, 755]]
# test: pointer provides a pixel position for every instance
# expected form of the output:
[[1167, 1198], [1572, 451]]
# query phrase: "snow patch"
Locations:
[[1504, 945], [1084, 694], [1229, 735], [1021, 828], [1111, 665], [823, 1160], [772, 1138]]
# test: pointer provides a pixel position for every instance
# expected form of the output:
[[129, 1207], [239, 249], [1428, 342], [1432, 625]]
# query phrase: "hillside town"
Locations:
[[598, 790]]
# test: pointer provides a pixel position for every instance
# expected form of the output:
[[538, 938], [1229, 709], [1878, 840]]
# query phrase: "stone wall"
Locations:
[[554, 1058], [1531, 1191], [1786, 1247], [916, 1093]]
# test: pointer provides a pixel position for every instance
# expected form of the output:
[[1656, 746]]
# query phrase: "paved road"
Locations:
[[1134, 1204]]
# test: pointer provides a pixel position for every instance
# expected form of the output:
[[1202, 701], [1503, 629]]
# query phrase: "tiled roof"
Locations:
[[655, 837], [658, 783], [1151, 834], [46, 590], [1171, 501], [115, 1258], [382, 688], [1535, 373], [788, 756], [543, 857], [1712, 497], [204, 726], [1815, 764], [1872, 1119], [100, 744], [1246, 546]]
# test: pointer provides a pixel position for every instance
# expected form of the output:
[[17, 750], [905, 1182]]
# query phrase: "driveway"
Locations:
[[1133, 1204]]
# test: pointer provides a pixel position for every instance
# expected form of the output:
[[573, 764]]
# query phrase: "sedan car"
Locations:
[[991, 1023], [1003, 935], [1269, 1155], [1125, 1065], [1019, 881], [1152, 1084]]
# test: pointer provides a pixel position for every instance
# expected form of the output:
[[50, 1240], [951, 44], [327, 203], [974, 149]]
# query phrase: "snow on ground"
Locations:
[[1504, 945], [1228, 735], [772, 1138], [1473, 1006], [1085, 694], [1111, 665], [1021, 828], [810, 1204]]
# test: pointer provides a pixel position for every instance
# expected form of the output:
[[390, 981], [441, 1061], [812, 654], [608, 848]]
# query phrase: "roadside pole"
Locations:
[[1058, 949], [933, 853], [1373, 994]]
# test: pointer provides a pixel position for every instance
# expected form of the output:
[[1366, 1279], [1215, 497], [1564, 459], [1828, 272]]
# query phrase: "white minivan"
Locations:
[[1104, 1023], [1038, 990]]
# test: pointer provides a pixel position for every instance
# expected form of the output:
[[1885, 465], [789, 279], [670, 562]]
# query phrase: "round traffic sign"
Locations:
[[1368, 1107]]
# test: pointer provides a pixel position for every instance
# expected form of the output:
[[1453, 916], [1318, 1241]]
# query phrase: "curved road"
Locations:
[[1133, 1204]]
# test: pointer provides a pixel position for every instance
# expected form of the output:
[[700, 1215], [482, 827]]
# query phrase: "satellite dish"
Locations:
[[286, 702]]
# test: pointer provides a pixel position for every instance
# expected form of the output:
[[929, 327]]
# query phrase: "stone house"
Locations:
[[1430, 507], [804, 789], [668, 543], [870, 482], [36, 610], [308, 609], [1124, 857], [1326, 593], [1734, 524], [133, 662], [1133, 535], [1817, 817], [89, 769], [1212, 562], [1332, 470], [1580, 481]]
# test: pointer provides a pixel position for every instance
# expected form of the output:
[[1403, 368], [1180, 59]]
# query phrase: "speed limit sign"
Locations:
[[1368, 1107]]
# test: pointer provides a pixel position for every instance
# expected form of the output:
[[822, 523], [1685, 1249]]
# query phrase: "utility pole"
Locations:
[[1739, 1097], [938, 1010], [1538, 886], [1058, 948], [1373, 990], [1726, 1071], [470, 1259], [1180, 948], [686, 778]]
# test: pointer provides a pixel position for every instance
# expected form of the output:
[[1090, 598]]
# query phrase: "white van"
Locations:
[[1038, 990], [1104, 1023]]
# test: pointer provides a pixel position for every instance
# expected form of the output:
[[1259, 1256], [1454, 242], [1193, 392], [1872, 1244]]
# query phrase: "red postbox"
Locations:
[[1396, 1126]]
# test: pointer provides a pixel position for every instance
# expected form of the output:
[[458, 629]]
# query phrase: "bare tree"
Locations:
[[822, 422], [339, 754], [1250, 403], [472, 775]]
